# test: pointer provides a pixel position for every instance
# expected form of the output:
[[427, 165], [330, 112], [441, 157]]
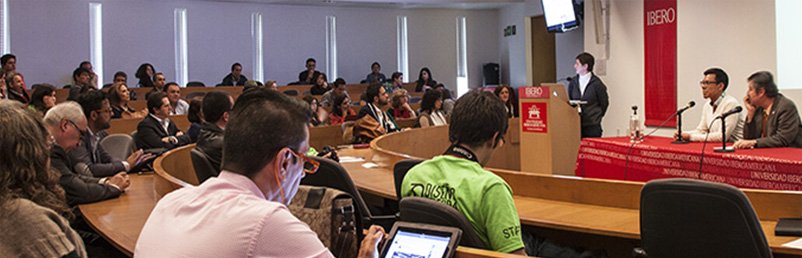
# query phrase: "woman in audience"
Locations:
[[42, 98], [319, 115], [195, 116], [397, 80], [400, 105], [3, 89], [119, 98], [16, 87], [448, 102], [35, 213], [321, 85], [341, 110], [507, 96], [431, 109], [145, 74], [425, 80]]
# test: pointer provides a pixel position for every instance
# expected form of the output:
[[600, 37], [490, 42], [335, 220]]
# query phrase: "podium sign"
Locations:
[[549, 130]]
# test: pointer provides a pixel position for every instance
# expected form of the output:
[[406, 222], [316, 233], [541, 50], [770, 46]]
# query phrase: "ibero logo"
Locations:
[[662, 16], [534, 91]]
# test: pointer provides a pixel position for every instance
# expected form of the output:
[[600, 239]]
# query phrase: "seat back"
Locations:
[[196, 84], [291, 92], [423, 210], [693, 218], [400, 170], [119, 146], [203, 168]]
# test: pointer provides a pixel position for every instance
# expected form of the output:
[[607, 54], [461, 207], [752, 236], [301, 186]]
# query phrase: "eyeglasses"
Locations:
[[76, 126], [310, 165], [707, 82]]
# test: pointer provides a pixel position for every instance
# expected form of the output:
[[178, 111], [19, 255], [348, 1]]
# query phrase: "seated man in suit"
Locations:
[[65, 122], [586, 86], [714, 84], [456, 178], [216, 111], [309, 75], [235, 78], [771, 119], [156, 130], [243, 212], [97, 111]]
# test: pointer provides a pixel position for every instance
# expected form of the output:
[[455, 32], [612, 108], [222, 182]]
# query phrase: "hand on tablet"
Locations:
[[370, 245]]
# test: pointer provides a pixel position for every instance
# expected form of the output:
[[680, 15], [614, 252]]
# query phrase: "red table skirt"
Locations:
[[657, 157]]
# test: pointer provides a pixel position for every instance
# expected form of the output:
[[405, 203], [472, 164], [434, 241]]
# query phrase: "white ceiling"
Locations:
[[452, 4]]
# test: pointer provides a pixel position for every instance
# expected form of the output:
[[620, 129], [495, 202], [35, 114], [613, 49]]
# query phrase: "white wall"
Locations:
[[51, 37], [737, 36]]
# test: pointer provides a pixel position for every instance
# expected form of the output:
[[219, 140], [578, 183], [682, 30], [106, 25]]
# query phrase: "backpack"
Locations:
[[331, 214]]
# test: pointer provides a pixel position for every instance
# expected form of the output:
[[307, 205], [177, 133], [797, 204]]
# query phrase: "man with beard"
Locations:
[[97, 111], [372, 115]]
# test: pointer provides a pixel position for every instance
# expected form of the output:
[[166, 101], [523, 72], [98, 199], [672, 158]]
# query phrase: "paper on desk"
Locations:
[[350, 159], [797, 244], [370, 165]]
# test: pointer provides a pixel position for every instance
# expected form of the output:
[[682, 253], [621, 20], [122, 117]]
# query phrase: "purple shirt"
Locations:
[[226, 216]]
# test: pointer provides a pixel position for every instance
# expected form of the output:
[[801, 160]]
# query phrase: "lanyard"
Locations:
[[461, 152]]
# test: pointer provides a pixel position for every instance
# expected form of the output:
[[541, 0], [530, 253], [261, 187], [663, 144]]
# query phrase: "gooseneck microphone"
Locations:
[[686, 107], [735, 110], [680, 140]]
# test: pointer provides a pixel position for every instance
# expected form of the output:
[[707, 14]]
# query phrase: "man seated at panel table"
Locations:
[[157, 130], [714, 86], [243, 212], [772, 120], [216, 111]]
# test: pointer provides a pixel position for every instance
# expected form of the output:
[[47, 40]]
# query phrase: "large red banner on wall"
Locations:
[[660, 57]]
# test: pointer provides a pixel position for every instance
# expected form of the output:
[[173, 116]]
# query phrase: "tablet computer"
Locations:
[[416, 240]]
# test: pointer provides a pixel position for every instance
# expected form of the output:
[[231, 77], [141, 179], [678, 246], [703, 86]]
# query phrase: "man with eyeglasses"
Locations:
[[66, 123], [93, 157], [309, 75], [243, 211], [714, 85]]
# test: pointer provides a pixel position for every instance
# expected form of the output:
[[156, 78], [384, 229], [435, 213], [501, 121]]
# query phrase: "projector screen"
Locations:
[[560, 16], [789, 42]]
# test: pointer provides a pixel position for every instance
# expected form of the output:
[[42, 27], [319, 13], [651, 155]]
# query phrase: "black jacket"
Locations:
[[80, 188], [302, 77], [149, 134], [595, 95], [229, 80], [101, 164], [210, 142]]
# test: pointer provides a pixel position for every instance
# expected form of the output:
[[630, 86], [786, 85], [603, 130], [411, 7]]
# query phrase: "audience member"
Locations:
[[235, 78], [507, 96], [375, 75], [372, 121], [9, 63], [319, 115], [425, 80], [477, 129], [772, 120], [120, 77], [35, 215], [216, 111], [16, 87], [179, 106], [42, 98], [3, 88], [119, 98], [159, 81], [321, 85], [263, 163], [339, 89], [271, 85], [80, 83], [398, 80], [342, 110], [156, 130], [714, 85], [195, 117], [309, 75], [66, 122], [145, 74], [97, 110], [431, 109], [448, 101], [400, 105], [92, 75], [586, 86]]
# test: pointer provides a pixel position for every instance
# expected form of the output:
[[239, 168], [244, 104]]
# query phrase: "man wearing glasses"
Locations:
[[243, 211], [309, 75], [66, 123], [714, 84]]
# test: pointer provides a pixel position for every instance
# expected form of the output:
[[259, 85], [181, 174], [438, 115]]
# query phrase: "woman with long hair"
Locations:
[[507, 96], [42, 98], [425, 80], [35, 213], [431, 106], [145, 74], [119, 98], [319, 114], [321, 85], [341, 110], [400, 105]]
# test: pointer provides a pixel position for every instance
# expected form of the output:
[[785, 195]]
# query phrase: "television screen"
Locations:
[[560, 15]]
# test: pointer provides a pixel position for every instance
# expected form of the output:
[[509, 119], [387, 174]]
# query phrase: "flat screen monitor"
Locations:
[[560, 15]]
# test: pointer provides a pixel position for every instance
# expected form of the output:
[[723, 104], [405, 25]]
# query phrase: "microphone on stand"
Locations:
[[735, 110], [686, 107], [724, 115], [679, 123]]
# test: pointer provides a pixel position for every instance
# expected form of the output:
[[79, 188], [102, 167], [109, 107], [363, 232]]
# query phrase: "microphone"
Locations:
[[686, 107], [728, 113], [568, 79]]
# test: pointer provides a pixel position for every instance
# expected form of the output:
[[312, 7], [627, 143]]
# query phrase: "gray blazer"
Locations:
[[784, 128]]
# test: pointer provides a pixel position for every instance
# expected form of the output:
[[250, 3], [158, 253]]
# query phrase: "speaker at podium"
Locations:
[[549, 130]]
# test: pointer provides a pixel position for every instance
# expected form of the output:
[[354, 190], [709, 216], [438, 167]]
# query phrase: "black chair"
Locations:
[[693, 218], [400, 170], [423, 210], [196, 84], [203, 168], [291, 92], [331, 174]]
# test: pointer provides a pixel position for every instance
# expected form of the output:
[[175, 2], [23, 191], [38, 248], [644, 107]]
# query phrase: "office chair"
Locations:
[[423, 210], [400, 170], [693, 218], [203, 168], [118, 145]]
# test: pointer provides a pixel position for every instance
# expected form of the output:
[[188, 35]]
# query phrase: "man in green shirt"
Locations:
[[477, 128]]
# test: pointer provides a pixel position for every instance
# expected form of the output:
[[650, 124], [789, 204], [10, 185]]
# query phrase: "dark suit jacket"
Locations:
[[149, 134], [783, 129], [77, 90], [21, 97], [229, 80], [101, 164], [595, 95], [302, 77], [78, 187], [210, 142]]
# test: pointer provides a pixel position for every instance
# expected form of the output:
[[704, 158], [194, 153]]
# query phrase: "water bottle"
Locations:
[[634, 126]]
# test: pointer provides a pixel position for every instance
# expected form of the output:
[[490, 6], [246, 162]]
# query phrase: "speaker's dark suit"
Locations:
[[782, 129], [597, 101]]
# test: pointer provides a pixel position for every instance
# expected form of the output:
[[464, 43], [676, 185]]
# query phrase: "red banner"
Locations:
[[660, 57]]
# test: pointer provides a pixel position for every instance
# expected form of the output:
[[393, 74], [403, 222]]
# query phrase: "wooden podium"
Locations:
[[549, 130]]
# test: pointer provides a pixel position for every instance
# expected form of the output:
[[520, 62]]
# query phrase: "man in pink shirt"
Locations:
[[243, 212]]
